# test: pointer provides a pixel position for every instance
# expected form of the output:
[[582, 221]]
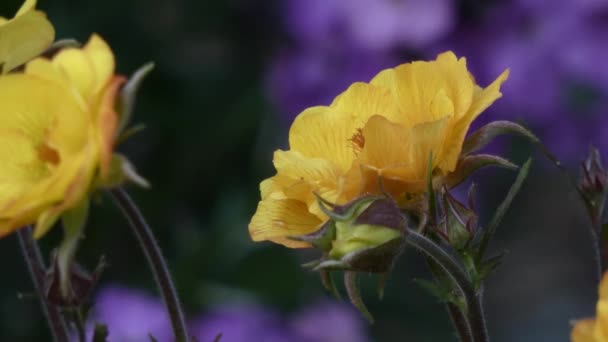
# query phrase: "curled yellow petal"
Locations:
[[276, 220]]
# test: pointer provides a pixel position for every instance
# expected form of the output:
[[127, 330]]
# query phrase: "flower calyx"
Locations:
[[593, 183]]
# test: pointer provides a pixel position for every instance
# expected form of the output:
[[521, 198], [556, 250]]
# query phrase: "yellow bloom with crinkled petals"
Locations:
[[594, 330], [57, 127], [24, 37], [377, 132]]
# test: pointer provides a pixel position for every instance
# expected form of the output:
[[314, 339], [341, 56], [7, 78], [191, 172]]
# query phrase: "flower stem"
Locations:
[[155, 260], [459, 320], [474, 309], [37, 269], [596, 235]]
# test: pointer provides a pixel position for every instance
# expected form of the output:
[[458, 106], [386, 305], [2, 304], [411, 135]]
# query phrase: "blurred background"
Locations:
[[230, 77]]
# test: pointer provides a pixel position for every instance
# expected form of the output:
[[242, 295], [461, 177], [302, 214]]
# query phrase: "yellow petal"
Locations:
[[23, 38], [601, 321], [102, 59], [107, 123], [482, 99], [415, 87], [603, 291], [327, 132], [275, 220], [78, 69], [312, 170], [583, 331], [27, 6]]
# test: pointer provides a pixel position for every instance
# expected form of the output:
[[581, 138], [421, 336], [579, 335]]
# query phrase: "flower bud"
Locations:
[[81, 284], [458, 222], [363, 235], [593, 182]]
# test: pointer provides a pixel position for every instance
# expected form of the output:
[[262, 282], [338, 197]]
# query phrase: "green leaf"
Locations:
[[469, 164], [487, 133], [73, 221], [128, 94], [502, 209]]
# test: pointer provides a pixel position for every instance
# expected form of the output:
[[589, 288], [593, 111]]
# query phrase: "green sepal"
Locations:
[[121, 170], [352, 289], [469, 164], [73, 221], [483, 136], [328, 283], [321, 238], [128, 94]]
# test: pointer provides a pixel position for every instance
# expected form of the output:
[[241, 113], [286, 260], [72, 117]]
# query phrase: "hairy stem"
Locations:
[[156, 261], [474, 310], [37, 269]]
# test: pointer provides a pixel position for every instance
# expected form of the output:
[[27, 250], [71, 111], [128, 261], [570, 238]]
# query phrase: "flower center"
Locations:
[[48, 154], [358, 141]]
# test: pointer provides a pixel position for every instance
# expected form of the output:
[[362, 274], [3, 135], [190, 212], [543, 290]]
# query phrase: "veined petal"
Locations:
[[482, 99], [312, 170], [275, 220], [23, 38], [327, 132], [102, 59], [78, 70], [416, 86]]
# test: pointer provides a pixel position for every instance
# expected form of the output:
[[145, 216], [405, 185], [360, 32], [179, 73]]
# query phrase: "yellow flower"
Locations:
[[382, 130], [594, 330], [57, 127], [24, 37]]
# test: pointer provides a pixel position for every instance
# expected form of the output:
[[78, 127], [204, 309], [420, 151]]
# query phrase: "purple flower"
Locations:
[[241, 324], [559, 81], [328, 321], [303, 77], [370, 24], [131, 315]]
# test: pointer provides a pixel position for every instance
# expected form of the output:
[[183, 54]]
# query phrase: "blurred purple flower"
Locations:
[[240, 325], [328, 321], [555, 54], [131, 315], [370, 24], [303, 77]]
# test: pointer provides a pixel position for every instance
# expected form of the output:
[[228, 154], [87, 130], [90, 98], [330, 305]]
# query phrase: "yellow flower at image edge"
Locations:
[[24, 37], [594, 330], [385, 129], [57, 126]]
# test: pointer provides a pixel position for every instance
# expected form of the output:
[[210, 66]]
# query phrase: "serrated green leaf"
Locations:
[[73, 221]]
